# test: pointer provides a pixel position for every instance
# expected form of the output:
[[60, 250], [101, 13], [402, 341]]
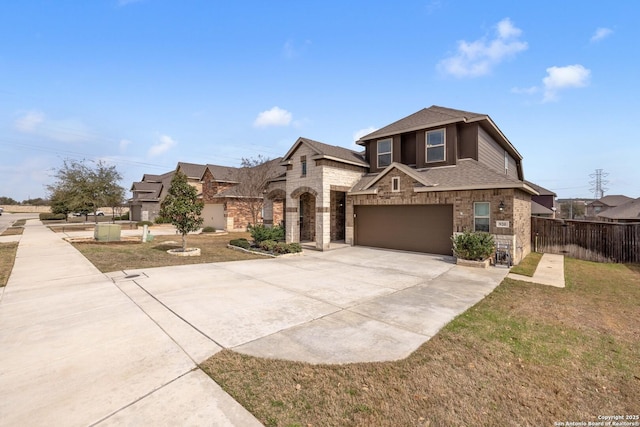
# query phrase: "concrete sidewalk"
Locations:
[[550, 272], [76, 350]]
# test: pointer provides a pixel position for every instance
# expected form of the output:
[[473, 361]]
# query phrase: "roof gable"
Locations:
[[427, 117], [322, 150], [628, 210], [223, 173], [468, 174], [192, 170], [541, 190], [612, 200], [402, 168]]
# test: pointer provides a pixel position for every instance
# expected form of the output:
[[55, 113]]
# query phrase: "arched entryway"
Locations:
[[275, 205], [303, 215], [307, 215]]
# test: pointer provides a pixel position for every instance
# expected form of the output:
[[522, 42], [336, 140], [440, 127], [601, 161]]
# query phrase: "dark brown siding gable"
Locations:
[[408, 155], [397, 149], [468, 141]]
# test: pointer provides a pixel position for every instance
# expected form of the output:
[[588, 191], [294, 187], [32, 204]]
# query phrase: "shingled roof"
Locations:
[[626, 211], [223, 173], [435, 116], [331, 152], [192, 170], [541, 190], [468, 174], [427, 117], [612, 200]]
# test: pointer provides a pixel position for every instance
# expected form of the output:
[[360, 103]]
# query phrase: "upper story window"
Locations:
[[303, 165], [506, 162], [481, 216], [384, 152], [435, 146]]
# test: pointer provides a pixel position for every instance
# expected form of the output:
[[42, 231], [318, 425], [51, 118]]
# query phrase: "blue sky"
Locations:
[[147, 83]]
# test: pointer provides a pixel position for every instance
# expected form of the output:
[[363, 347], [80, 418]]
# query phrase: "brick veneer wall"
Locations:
[[517, 209]]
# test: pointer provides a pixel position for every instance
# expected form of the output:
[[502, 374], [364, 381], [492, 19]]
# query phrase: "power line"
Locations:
[[598, 183]]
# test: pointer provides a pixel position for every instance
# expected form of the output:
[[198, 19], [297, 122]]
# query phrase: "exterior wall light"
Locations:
[[501, 206]]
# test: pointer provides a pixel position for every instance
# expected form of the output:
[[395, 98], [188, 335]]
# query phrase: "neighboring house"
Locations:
[[234, 197], [601, 205], [544, 204], [147, 196], [626, 212], [421, 179], [226, 203]]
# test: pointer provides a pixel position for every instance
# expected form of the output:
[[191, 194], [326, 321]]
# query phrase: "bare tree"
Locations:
[[253, 176], [84, 187]]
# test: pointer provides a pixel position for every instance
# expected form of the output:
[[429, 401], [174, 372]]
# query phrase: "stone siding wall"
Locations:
[[517, 209]]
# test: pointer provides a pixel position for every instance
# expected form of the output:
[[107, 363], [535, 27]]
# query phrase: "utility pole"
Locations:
[[598, 183]]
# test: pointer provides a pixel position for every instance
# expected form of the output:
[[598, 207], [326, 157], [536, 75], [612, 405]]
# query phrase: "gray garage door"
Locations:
[[418, 228]]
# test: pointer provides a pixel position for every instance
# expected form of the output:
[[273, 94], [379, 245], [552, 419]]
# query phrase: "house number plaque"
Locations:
[[502, 224]]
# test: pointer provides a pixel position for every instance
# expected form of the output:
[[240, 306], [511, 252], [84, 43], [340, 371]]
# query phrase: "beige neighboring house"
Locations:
[[417, 182], [624, 213], [147, 195], [219, 187], [596, 207]]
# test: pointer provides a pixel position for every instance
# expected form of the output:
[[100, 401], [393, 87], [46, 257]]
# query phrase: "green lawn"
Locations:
[[525, 355]]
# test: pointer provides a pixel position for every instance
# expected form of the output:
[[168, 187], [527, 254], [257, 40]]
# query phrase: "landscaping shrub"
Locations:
[[209, 230], [143, 223], [241, 243], [260, 233], [123, 217], [287, 248], [268, 245], [473, 246], [46, 216], [162, 220], [294, 248]]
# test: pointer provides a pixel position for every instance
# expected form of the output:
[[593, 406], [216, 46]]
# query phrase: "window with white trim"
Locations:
[[395, 184], [481, 216], [385, 148], [435, 145], [506, 162]]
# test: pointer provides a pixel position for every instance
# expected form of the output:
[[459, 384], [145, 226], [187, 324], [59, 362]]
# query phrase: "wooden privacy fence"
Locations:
[[587, 240]]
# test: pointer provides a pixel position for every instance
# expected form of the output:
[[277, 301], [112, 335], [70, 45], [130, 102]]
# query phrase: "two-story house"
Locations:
[[418, 181]]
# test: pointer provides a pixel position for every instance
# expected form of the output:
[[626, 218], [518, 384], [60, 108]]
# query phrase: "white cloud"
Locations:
[[29, 121], [559, 78], [165, 144], [601, 33], [124, 143], [362, 132], [273, 117], [525, 90], [63, 130], [479, 57]]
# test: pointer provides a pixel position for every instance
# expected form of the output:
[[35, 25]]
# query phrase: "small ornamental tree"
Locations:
[[181, 207]]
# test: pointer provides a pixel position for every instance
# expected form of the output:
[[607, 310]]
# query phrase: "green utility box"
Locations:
[[107, 232]]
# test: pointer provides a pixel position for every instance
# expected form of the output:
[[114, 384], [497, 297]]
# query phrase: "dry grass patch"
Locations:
[[16, 228], [528, 265], [7, 258], [525, 355], [115, 256]]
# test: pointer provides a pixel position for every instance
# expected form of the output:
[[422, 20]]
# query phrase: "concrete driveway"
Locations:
[[82, 348], [349, 305]]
